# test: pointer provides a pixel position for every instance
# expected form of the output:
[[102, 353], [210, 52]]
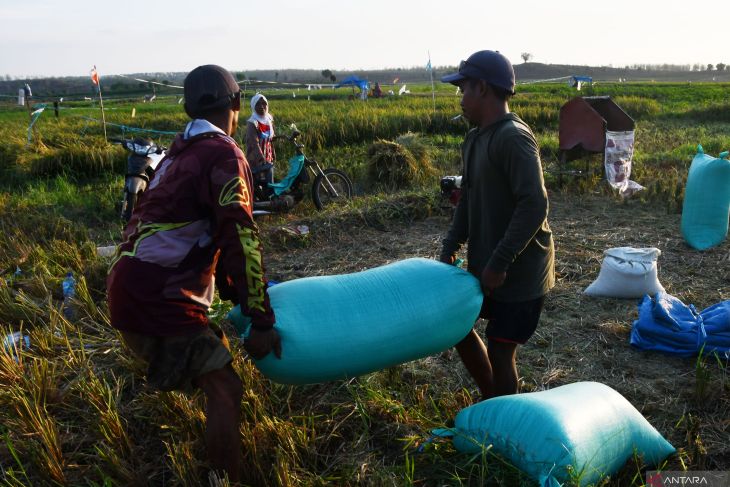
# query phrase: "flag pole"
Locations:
[[433, 90], [101, 103]]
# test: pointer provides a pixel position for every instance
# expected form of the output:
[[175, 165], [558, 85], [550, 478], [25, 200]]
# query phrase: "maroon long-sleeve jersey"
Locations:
[[198, 209]]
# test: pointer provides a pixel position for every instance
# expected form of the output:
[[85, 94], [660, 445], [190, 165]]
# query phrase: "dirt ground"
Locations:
[[580, 338]]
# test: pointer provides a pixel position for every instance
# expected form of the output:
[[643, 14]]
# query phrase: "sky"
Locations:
[[53, 38]]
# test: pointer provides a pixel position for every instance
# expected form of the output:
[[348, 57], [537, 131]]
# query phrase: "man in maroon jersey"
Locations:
[[193, 226]]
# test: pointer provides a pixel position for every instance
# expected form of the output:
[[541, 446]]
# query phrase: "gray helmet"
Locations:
[[209, 88]]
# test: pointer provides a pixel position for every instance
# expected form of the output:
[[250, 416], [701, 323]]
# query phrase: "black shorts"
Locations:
[[511, 322], [174, 362]]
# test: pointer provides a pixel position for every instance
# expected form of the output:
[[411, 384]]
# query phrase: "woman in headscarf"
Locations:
[[259, 137]]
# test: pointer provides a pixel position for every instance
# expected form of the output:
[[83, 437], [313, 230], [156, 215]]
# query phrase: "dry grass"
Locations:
[[582, 338], [400, 164], [74, 408]]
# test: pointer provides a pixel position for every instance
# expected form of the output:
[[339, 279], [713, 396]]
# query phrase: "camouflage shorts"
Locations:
[[174, 362]]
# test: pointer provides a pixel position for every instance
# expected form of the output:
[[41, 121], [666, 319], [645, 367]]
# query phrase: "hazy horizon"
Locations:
[[42, 38], [345, 72]]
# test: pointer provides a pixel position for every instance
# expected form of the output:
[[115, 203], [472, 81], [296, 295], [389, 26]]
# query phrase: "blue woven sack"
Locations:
[[706, 201], [334, 327], [579, 432], [668, 325]]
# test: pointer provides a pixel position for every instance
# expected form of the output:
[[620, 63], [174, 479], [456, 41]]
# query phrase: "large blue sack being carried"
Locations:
[[578, 432], [334, 327], [668, 325], [706, 201]]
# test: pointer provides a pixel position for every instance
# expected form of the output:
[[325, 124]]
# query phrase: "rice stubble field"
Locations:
[[74, 406]]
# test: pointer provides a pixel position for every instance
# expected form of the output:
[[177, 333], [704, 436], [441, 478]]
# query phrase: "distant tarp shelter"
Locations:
[[577, 81], [353, 80]]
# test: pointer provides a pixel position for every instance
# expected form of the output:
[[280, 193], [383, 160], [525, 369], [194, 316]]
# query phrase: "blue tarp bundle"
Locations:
[[584, 79], [668, 325]]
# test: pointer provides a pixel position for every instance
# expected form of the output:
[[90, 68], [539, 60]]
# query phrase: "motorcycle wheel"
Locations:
[[130, 201], [330, 187]]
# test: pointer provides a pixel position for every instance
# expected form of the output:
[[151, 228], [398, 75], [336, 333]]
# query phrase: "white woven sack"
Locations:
[[627, 272]]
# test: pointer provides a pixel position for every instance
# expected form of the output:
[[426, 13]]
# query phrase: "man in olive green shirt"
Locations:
[[502, 215]]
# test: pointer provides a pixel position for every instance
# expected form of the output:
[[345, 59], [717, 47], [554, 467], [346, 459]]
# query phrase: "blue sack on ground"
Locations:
[[579, 432], [335, 327], [706, 205], [668, 325]]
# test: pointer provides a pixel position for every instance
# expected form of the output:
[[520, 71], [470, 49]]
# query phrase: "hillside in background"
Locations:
[[127, 84], [539, 71]]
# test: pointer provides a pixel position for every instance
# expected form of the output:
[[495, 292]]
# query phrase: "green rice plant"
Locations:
[[14, 475], [9, 152], [78, 160], [695, 452], [638, 107], [703, 378]]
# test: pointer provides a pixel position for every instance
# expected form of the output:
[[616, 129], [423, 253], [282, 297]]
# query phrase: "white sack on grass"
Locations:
[[627, 272]]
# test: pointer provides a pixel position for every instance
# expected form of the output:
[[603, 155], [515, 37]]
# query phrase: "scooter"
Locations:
[[144, 156], [330, 185]]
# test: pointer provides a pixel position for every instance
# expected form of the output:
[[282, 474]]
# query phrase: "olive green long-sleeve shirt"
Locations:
[[502, 213]]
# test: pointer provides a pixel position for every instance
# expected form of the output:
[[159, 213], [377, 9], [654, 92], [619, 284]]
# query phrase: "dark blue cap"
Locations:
[[491, 66]]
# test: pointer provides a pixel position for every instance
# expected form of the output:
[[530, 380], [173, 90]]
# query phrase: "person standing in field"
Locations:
[[259, 137], [193, 228], [377, 91], [502, 216]]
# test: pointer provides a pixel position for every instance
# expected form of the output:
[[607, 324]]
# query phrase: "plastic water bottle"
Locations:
[[14, 342], [10, 280], [69, 291], [241, 322]]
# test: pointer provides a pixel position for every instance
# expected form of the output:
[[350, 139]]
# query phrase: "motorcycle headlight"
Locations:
[[142, 150]]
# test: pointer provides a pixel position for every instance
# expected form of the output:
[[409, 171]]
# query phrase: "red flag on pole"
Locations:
[[95, 80], [94, 76]]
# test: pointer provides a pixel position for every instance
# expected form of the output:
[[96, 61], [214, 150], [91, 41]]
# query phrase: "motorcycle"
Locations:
[[330, 185], [144, 156]]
